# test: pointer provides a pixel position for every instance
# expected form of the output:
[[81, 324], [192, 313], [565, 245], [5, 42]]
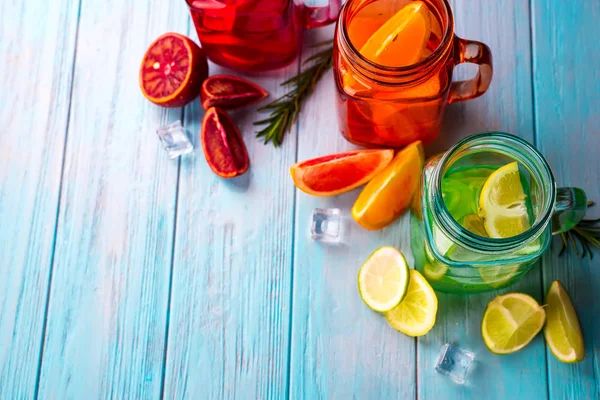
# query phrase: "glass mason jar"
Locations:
[[452, 258], [387, 106], [256, 35]]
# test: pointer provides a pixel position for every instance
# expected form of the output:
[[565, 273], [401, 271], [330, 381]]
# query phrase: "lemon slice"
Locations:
[[415, 315], [502, 203], [383, 279], [562, 331], [510, 322]]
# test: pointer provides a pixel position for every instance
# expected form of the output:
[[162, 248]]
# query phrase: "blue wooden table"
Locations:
[[126, 275]]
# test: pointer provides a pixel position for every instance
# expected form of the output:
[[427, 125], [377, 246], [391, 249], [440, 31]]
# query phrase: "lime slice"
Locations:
[[498, 275], [502, 203], [383, 279], [510, 322], [562, 331], [434, 271], [415, 315]]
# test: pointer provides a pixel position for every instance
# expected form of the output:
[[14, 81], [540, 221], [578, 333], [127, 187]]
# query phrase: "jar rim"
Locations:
[[423, 65], [466, 238]]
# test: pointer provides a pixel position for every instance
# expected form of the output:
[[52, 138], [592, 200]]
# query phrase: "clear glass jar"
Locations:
[[452, 258], [387, 106]]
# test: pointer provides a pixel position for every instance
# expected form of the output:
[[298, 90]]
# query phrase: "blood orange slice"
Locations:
[[338, 173], [173, 70], [223, 146], [229, 92]]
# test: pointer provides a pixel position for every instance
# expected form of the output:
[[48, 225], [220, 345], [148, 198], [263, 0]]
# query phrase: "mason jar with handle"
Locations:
[[256, 35], [391, 106], [456, 259]]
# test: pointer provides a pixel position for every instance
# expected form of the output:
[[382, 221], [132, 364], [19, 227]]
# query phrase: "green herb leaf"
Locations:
[[587, 233], [284, 110]]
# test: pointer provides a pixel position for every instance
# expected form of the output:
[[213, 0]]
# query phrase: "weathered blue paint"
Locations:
[[138, 277], [36, 77], [566, 85]]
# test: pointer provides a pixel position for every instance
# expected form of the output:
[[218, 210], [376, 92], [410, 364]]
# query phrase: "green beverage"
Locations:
[[485, 213]]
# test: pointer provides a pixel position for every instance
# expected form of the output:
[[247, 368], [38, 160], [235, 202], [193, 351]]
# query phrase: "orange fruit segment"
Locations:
[[338, 173], [401, 39], [399, 42], [389, 194]]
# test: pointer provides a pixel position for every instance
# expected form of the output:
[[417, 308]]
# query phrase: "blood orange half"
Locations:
[[173, 70], [338, 173]]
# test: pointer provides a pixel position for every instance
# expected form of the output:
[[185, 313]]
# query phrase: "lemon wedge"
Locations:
[[502, 203]]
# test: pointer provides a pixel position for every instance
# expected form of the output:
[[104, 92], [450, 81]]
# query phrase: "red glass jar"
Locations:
[[380, 105]]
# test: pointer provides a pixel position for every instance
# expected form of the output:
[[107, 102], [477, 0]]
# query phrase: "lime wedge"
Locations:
[[510, 322], [562, 331], [502, 203], [383, 279], [415, 315]]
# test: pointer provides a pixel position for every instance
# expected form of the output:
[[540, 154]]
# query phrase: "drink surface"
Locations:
[[461, 190], [249, 35]]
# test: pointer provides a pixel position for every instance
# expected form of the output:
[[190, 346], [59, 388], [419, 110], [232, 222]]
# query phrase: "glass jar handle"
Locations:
[[571, 206], [316, 16], [471, 51]]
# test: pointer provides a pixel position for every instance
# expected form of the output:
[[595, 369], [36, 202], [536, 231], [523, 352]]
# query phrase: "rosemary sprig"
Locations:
[[582, 237], [284, 111]]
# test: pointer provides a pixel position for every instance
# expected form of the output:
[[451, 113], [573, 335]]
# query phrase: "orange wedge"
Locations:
[[338, 173], [389, 194], [399, 42], [402, 38]]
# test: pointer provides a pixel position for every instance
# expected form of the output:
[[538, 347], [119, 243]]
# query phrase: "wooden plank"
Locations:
[[107, 309], [230, 298], [36, 48], [567, 90], [507, 106], [340, 348]]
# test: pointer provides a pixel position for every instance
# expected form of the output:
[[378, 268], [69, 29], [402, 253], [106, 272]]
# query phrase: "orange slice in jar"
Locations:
[[399, 42]]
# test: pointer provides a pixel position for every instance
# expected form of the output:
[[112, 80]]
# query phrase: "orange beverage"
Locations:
[[393, 63]]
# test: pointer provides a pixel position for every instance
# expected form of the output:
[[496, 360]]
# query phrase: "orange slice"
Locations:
[[402, 38], [390, 192], [399, 42], [338, 173]]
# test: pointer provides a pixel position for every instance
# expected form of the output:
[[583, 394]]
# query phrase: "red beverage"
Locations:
[[255, 35]]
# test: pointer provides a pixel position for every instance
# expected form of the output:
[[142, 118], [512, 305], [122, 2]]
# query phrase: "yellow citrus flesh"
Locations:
[[416, 313], [510, 322], [562, 332], [383, 279], [502, 203]]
